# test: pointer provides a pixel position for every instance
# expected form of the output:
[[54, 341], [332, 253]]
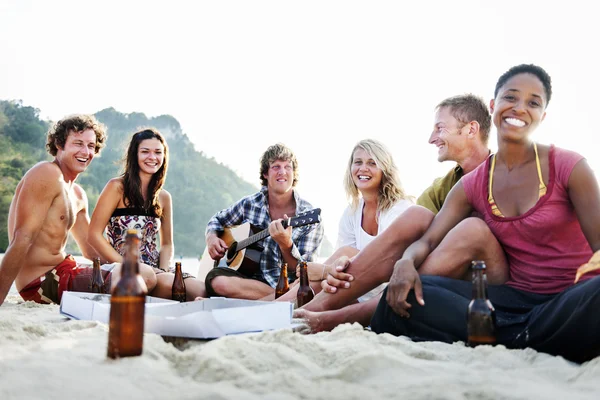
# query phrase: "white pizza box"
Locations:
[[205, 319]]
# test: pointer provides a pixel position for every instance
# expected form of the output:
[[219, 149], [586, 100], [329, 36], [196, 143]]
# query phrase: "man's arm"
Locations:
[[305, 246], [405, 276], [231, 216], [81, 226], [283, 238], [39, 188], [434, 196], [430, 200]]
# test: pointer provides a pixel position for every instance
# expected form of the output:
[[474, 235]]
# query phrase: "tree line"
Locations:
[[199, 185]]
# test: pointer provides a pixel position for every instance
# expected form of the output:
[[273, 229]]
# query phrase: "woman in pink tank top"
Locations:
[[542, 204]]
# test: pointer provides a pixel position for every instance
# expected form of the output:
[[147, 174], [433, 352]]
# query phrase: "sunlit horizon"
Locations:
[[317, 75]]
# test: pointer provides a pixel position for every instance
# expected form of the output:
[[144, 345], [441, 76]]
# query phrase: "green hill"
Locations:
[[199, 185]]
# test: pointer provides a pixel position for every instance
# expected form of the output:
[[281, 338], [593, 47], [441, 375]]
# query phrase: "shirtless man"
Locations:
[[47, 205]]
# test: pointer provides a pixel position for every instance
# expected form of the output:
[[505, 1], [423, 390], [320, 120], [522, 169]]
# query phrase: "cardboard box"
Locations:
[[206, 319]]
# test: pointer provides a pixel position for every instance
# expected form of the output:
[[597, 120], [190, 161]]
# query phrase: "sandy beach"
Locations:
[[44, 355]]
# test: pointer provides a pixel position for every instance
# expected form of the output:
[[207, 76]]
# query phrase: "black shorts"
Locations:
[[224, 271]]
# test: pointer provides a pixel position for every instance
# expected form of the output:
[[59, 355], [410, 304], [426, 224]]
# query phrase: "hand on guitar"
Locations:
[[216, 246], [281, 235]]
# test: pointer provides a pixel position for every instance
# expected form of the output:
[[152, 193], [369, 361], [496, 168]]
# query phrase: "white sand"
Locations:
[[46, 356]]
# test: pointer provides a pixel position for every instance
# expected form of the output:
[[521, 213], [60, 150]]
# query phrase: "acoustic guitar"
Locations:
[[244, 252]]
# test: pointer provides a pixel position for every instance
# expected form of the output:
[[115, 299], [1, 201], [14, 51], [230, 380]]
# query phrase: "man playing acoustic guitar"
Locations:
[[268, 209]]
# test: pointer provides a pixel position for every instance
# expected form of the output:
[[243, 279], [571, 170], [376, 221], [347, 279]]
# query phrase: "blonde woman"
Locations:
[[376, 199]]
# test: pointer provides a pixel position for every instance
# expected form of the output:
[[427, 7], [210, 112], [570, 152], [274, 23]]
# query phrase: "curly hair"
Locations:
[[468, 107], [274, 153], [390, 189], [132, 185], [532, 69], [58, 134]]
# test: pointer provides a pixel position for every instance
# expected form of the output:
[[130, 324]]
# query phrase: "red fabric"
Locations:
[[544, 246], [55, 283]]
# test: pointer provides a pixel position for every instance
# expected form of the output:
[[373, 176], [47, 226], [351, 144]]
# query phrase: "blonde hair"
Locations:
[[390, 189]]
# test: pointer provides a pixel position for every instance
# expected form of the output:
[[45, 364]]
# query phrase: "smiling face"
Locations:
[[78, 151], [151, 155], [280, 176], [366, 175], [448, 135], [519, 107]]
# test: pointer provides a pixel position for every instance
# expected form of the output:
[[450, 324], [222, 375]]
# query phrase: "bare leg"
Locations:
[[327, 320], [146, 272], [373, 265], [470, 240], [193, 287], [240, 288], [316, 270]]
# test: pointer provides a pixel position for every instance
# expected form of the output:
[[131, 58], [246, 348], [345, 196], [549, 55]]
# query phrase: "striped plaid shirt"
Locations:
[[255, 210]]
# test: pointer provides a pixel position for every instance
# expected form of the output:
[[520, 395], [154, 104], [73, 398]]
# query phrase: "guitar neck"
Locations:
[[256, 237], [307, 218]]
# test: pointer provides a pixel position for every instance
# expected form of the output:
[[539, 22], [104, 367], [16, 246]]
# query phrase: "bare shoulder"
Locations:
[[166, 203], [543, 149], [164, 196], [115, 184], [43, 177], [44, 170]]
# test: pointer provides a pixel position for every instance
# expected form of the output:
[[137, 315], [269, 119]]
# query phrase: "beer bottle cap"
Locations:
[[478, 264], [134, 232]]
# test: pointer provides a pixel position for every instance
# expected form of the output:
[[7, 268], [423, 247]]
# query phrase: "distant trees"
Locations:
[[22, 141], [199, 186]]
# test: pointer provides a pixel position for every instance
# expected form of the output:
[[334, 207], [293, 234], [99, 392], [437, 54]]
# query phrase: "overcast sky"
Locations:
[[315, 75]]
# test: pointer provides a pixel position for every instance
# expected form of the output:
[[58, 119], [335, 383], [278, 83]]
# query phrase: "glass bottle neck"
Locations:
[[130, 265], [303, 275], [479, 285]]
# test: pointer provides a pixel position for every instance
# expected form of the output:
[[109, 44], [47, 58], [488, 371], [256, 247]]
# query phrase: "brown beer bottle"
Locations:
[[178, 292], [128, 299], [481, 316], [305, 292], [282, 284], [97, 282]]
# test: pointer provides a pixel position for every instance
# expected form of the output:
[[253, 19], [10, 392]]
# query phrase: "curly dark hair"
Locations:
[[468, 107], [57, 135], [276, 152], [532, 69], [132, 186]]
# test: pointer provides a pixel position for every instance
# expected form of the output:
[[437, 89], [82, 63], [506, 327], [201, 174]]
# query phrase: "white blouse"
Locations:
[[351, 233]]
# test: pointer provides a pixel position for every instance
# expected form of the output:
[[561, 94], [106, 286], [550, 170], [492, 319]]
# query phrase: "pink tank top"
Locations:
[[544, 246]]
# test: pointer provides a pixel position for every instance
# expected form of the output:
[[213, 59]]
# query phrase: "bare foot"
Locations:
[[315, 321]]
